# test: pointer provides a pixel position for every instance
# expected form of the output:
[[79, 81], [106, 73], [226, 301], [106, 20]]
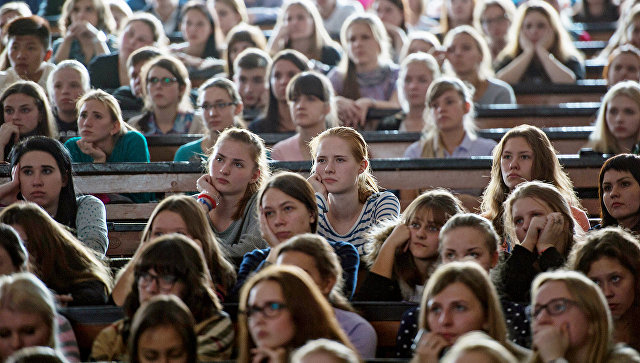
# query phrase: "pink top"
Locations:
[[287, 150]]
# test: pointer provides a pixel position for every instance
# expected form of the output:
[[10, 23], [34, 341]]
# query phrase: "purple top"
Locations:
[[359, 331], [378, 84], [478, 147]]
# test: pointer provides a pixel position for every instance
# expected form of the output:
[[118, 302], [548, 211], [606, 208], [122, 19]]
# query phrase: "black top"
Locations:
[[535, 73], [103, 71]]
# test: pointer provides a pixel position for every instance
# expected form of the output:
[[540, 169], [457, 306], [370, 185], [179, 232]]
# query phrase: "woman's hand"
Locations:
[[279, 40], [84, 31], [9, 191], [266, 232], [399, 237], [544, 44], [533, 233], [364, 104], [525, 43], [349, 112], [88, 148], [551, 341], [316, 182], [262, 355], [9, 132], [429, 348], [551, 234]]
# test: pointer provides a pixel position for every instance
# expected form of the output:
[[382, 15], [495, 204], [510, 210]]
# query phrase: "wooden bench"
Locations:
[[586, 90], [598, 31]]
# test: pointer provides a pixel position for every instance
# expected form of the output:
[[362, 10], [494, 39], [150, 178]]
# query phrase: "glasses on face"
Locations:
[[270, 309], [165, 81], [206, 107], [554, 307], [164, 282]]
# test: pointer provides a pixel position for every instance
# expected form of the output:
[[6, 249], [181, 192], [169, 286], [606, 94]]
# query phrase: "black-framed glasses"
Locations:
[[165, 81], [219, 106], [270, 309], [164, 282], [554, 307]]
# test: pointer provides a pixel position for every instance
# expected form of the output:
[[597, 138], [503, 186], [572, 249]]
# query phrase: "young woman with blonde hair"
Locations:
[[66, 84], [493, 18], [230, 13]]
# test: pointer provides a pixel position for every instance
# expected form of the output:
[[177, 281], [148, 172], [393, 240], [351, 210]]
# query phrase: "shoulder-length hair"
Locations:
[[367, 184], [178, 70], [113, 107], [222, 271], [622, 163], [295, 186], [242, 33], [562, 48], [318, 85], [601, 139], [485, 69], [506, 5], [46, 122], [164, 311], [106, 22], [231, 89], [67, 204], [215, 39], [258, 154], [160, 40], [415, 58], [71, 263], [310, 311], [10, 241], [431, 143], [69, 64], [546, 167], [552, 198]]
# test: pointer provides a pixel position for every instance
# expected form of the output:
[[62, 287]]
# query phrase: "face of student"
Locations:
[[460, 11], [285, 215], [621, 196], [136, 35], [423, 234], [464, 55], [227, 17], [238, 47], [232, 167], [22, 111], [535, 26], [95, 123], [495, 23], [623, 118], [84, 10], [633, 33], [617, 284], [455, 311], [195, 27], [163, 94], [389, 13], [298, 22], [6, 265], [308, 264], [516, 162], [465, 244], [26, 54], [573, 319], [308, 111], [219, 118], [252, 86], [337, 166], [362, 47], [417, 79], [624, 67], [448, 110], [20, 330], [167, 222], [281, 73], [523, 211], [67, 89], [40, 179], [275, 330], [152, 284], [135, 82], [161, 344]]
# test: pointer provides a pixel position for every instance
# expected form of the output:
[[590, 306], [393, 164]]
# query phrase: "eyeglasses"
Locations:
[[270, 310], [165, 81], [216, 106], [554, 307], [164, 282]]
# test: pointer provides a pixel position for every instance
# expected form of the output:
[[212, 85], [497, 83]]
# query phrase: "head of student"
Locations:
[[26, 105], [367, 32], [199, 28], [239, 38], [445, 91], [13, 254], [220, 104], [303, 21], [139, 30], [165, 83], [100, 117], [66, 84], [468, 53], [619, 191], [285, 65], [231, 13], [419, 41], [623, 64], [29, 45], [417, 72], [468, 236], [316, 92], [617, 126], [135, 62], [250, 76], [94, 12], [494, 18]]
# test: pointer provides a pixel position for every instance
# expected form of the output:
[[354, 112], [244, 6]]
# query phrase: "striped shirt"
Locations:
[[379, 206]]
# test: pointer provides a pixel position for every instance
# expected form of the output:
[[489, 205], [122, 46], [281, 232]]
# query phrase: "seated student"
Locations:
[[130, 97], [106, 138], [9, 11], [571, 321], [494, 18], [25, 112], [523, 154], [611, 258], [287, 207], [250, 77], [324, 350], [74, 272], [231, 13], [469, 59], [417, 71], [393, 14], [422, 41], [335, 12], [167, 12], [312, 105], [109, 71], [623, 64], [28, 34], [66, 84], [541, 50], [239, 38], [626, 32], [86, 28], [366, 78], [171, 216], [171, 265], [443, 322], [120, 11], [277, 116], [617, 127], [476, 345], [538, 222], [42, 174], [236, 169], [315, 256], [281, 308], [453, 15], [163, 329], [168, 109], [402, 254], [349, 199], [221, 108], [619, 192]]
